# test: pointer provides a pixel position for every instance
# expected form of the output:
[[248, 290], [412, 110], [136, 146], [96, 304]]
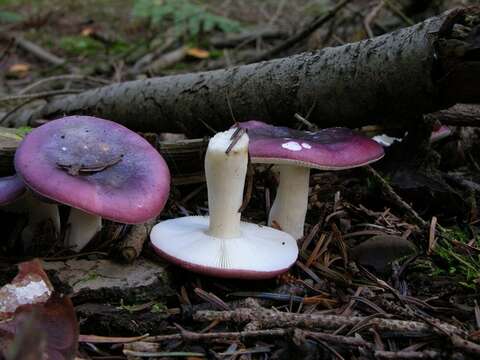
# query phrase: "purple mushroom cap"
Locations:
[[326, 149], [97, 166], [11, 188], [440, 133]]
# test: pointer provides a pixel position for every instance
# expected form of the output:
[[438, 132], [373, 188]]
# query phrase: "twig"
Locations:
[[308, 124], [36, 50], [371, 16], [407, 355], [15, 109], [192, 336], [394, 197], [132, 244], [38, 95], [61, 78], [266, 318], [397, 11], [432, 240], [302, 34]]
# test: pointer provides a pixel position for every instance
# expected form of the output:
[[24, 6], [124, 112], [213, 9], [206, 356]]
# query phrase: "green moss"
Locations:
[[458, 260]]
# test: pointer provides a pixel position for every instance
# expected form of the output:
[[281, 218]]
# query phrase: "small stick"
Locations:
[[132, 244], [432, 240], [235, 138], [302, 34], [394, 197], [37, 51], [266, 318]]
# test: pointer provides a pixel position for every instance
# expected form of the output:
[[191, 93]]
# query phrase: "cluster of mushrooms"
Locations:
[[101, 169]]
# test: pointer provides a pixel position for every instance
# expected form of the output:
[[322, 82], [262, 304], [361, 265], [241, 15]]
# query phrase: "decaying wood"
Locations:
[[104, 280], [391, 79], [184, 159]]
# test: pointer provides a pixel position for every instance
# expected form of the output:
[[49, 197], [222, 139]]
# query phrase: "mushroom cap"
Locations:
[[260, 253], [326, 149], [440, 133], [11, 188], [97, 166]]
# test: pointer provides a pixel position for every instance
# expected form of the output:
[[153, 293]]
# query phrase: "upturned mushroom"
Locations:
[[98, 168], [220, 244], [296, 152]]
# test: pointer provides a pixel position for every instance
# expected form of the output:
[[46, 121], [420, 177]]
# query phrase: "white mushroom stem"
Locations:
[[290, 206], [38, 213], [81, 228], [225, 175]]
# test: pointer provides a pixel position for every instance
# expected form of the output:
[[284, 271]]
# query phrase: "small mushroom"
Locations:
[[98, 168], [14, 194], [295, 152], [221, 245]]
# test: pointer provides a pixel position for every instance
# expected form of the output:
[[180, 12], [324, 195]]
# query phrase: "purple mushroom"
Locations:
[[97, 167], [441, 132], [295, 152], [220, 244]]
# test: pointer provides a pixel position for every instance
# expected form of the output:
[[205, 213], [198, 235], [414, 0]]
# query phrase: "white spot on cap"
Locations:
[[292, 146], [306, 146], [64, 148]]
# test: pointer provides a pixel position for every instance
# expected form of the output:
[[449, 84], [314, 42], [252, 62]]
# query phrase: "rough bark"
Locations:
[[391, 79]]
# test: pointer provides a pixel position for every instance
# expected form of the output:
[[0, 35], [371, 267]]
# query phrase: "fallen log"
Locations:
[[392, 79], [458, 115]]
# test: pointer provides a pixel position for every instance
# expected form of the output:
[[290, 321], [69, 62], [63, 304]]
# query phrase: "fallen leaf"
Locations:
[[36, 323], [30, 286], [54, 325], [198, 53], [87, 31], [19, 70], [379, 251]]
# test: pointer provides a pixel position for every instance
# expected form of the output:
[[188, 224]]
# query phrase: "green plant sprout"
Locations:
[[187, 16]]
